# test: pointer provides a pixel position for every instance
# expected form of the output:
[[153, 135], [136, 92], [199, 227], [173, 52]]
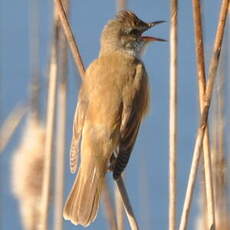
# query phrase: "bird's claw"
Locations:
[[112, 163]]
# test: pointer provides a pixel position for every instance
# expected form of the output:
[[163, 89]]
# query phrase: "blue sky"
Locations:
[[147, 171]]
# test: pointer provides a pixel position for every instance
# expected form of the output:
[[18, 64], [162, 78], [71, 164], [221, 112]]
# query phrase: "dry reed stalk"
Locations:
[[70, 37], [27, 173], [224, 225], [119, 210], [51, 107], [10, 124], [79, 65], [204, 116], [173, 115], [127, 205], [121, 5], [201, 220], [109, 207], [202, 85], [61, 127], [219, 161], [221, 225]]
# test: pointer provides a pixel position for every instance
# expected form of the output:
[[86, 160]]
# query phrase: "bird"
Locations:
[[112, 102]]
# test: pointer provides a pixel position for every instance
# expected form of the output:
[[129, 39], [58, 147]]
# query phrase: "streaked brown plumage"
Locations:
[[112, 101]]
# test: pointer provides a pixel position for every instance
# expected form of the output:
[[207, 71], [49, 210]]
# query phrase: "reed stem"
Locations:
[[201, 86], [51, 108], [204, 116], [70, 37], [61, 126], [121, 5], [173, 115], [109, 207], [127, 205]]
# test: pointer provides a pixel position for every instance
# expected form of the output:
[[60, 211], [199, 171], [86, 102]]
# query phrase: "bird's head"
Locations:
[[125, 33]]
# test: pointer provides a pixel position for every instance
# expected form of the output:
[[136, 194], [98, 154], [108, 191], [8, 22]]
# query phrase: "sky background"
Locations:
[[147, 171]]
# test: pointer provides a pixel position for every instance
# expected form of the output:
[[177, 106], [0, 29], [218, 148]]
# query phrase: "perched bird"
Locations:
[[113, 100]]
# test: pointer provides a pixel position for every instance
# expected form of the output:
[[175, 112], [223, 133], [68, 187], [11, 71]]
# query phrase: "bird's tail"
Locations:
[[83, 201]]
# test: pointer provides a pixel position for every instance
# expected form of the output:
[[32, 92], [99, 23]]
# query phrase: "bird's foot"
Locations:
[[112, 162]]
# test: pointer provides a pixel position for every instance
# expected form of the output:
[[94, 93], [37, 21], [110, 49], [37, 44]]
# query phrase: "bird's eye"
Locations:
[[134, 31]]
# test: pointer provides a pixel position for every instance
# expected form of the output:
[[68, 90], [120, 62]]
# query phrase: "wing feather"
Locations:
[[135, 105]]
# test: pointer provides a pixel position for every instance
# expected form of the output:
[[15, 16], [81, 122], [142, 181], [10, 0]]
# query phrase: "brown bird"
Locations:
[[113, 100]]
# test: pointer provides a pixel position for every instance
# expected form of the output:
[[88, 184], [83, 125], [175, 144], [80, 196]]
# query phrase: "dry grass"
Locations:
[[27, 173]]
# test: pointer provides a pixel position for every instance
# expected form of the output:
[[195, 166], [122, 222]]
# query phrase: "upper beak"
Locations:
[[151, 39], [152, 24]]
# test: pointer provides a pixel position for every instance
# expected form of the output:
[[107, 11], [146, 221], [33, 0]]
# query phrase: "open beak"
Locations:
[[150, 38]]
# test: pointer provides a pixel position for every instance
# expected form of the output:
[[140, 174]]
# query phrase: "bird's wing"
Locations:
[[134, 107], [78, 124]]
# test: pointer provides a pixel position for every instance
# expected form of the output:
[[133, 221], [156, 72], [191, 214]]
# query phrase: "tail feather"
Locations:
[[82, 204]]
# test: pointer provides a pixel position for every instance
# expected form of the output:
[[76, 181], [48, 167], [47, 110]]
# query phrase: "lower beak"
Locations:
[[152, 39]]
